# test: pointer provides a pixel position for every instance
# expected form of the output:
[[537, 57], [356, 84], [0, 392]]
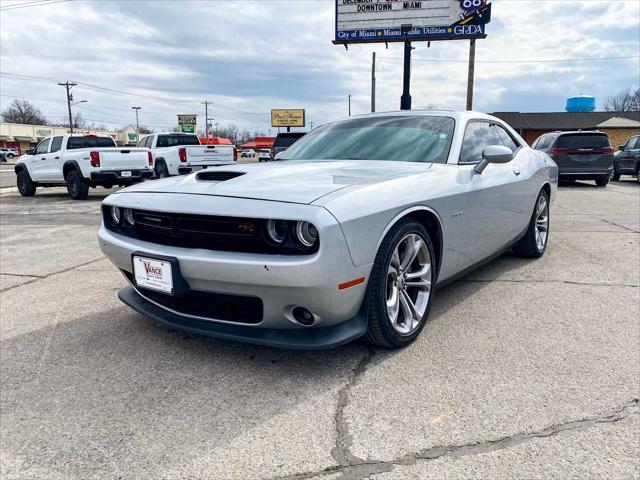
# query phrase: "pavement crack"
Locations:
[[42, 277], [21, 275], [565, 282], [362, 469], [341, 452], [621, 226]]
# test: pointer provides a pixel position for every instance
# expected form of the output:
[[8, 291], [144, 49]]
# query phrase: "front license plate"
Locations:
[[153, 274], [125, 173]]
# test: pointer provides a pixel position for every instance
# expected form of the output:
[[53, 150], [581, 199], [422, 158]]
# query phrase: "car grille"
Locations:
[[213, 306], [202, 231]]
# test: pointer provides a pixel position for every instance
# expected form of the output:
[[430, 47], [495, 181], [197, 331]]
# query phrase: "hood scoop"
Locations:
[[216, 176]]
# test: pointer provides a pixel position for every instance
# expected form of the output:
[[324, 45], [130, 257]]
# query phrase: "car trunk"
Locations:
[[123, 158], [209, 154], [583, 153]]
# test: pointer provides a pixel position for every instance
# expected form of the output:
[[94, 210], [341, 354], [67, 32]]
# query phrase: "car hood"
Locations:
[[287, 181]]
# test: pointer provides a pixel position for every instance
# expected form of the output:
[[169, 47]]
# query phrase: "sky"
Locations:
[[247, 57]]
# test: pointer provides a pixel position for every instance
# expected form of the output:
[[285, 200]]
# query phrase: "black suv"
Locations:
[[284, 141], [626, 160], [583, 155]]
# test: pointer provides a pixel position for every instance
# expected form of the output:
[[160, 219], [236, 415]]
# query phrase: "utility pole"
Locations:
[[349, 96], [68, 86], [405, 100], [137, 124], [472, 65], [206, 120], [373, 82], [310, 126]]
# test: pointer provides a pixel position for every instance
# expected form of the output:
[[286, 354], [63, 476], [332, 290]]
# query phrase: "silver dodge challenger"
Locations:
[[347, 236]]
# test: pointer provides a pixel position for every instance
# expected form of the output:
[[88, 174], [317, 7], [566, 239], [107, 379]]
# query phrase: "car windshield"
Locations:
[[90, 142], [394, 138]]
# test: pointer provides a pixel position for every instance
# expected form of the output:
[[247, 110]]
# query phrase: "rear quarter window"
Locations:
[[175, 140], [582, 140]]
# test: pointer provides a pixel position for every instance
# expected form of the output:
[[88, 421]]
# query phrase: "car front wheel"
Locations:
[[615, 176], [602, 181], [400, 286], [534, 242], [26, 187]]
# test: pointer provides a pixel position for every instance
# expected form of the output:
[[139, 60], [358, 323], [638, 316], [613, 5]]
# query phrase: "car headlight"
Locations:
[[306, 234], [128, 217], [276, 231], [115, 215]]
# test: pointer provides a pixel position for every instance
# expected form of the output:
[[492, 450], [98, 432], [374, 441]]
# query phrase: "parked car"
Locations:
[[264, 155], [284, 141], [347, 238], [182, 153], [9, 153], [626, 161], [582, 155], [248, 153], [80, 162]]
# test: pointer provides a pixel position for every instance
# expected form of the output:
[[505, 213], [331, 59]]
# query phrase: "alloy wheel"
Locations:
[[408, 284], [542, 223]]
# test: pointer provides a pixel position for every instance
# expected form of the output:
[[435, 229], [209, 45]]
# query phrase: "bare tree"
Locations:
[[21, 111], [144, 130], [78, 121], [623, 101]]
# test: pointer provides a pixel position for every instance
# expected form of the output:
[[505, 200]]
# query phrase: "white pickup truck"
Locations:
[[182, 153], [80, 162]]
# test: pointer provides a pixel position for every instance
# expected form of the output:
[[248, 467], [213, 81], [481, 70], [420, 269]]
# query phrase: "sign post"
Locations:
[[383, 21]]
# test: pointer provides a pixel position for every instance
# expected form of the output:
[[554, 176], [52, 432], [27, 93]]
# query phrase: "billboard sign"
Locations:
[[368, 21], [187, 123], [287, 117]]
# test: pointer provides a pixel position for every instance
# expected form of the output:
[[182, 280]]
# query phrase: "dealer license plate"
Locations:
[[125, 173], [153, 274]]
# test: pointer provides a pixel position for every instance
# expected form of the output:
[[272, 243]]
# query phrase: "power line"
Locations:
[[437, 60], [17, 6]]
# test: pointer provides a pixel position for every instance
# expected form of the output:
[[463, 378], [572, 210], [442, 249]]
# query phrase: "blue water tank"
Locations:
[[581, 103]]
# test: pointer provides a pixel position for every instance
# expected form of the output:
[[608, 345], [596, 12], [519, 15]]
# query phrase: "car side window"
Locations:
[[142, 142], [56, 144], [43, 146], [633, 144], [477, 137], [150, 142], [507, 140]]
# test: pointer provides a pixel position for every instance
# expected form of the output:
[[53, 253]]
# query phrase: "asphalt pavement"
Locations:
[[526, 369], [7, 175]]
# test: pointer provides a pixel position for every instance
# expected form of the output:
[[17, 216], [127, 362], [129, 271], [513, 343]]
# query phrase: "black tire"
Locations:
[[528, 246], [25, 185], [77, 186], [602, 181], [161, 170], [615, 176], [380, 332]]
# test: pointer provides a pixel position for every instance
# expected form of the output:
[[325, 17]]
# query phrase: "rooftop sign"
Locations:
[[367, 21]]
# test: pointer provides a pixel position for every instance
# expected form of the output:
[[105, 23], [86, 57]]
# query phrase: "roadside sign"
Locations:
[[187, 123], [287, 117], [368, 21]]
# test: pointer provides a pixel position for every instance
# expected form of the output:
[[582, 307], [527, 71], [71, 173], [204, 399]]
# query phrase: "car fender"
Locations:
[[69, 165]]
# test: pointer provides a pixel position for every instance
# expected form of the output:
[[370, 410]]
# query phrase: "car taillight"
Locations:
[[558, 150], [235, 154], [95, 159], [150, 158], [182, 154], [606, 150]]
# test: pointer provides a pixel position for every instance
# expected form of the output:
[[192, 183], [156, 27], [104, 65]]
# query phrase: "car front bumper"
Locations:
[[281, 282]]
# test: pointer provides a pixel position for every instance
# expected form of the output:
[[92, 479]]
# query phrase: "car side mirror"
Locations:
[[30, 151], [494, 154], [621, 148]]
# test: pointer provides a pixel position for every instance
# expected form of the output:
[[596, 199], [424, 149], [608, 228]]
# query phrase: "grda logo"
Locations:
[[150, 269]]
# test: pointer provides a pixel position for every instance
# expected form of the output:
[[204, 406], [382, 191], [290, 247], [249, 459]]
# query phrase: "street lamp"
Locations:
[[79, 101], [137, 124]]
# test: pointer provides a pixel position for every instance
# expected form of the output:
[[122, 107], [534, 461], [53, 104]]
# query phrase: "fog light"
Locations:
[[115, 215], [128, 217], [303, 316]]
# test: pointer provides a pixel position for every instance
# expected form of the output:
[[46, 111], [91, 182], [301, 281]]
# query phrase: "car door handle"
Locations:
[[56, 158], [43, 158]]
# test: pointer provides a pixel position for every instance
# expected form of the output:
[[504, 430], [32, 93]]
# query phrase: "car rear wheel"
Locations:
[[25, 185], [534, 242], [400, 292], [77, 186], [602, 181], [161, 170]]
